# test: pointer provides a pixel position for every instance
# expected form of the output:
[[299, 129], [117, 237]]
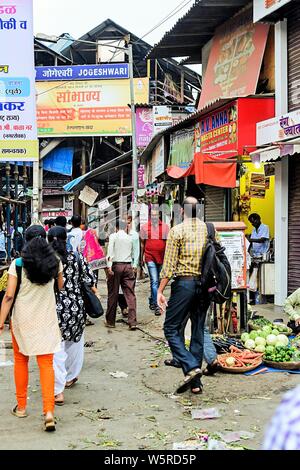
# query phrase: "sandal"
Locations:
[[192, 374], [49, 424], [18, 413], [196, 386], [172, 363], [211, 369], [59, 402], [71, 383]]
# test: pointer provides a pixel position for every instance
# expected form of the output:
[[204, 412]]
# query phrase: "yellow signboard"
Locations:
[[83, 108]]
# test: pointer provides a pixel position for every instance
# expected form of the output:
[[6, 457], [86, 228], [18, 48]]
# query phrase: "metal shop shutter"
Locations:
[[294, 225], [293, 25], [214, 210]]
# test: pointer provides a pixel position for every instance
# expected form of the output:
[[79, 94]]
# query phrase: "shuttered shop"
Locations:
[[294, 224], [215, 204], [293, 19]]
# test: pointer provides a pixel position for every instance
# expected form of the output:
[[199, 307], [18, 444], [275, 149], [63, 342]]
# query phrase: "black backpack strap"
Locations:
[[211, 232]]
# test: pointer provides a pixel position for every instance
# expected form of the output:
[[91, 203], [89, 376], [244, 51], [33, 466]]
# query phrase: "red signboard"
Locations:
[[235, 59], [218, 130]]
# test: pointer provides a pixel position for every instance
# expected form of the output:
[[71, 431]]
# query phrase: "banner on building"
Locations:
[[144, 127], [80, 108], [218, 131], [262, 8], [158, 159], [182, 148], [18, 132], [235, 59], [88, 195], [83, 72], [162, 118], [278, 129]]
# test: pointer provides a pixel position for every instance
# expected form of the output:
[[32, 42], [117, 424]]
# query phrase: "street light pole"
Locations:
[[133, 125]]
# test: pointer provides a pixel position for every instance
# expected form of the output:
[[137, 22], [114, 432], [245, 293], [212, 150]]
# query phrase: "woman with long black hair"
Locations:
[[71, 313], [34, 324]]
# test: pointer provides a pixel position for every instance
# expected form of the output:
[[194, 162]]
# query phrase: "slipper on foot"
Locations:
[[191, 375]]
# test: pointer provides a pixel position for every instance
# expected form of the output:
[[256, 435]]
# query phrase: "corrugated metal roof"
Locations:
[[195, 29]]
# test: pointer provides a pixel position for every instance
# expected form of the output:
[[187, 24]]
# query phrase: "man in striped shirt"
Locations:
[[284, 430], [184, 251]]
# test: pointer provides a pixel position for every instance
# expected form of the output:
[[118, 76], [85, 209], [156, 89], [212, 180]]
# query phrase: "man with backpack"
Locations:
[[188, 244]]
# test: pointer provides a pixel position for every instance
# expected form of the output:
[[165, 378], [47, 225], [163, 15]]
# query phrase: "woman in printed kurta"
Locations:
[[34, 325], [71, 313]]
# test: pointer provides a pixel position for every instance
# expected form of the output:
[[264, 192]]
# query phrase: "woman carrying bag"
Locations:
[[34, 325], [71, 313]]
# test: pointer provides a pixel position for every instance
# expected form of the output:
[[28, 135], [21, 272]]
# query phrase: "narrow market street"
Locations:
[[139, 411]]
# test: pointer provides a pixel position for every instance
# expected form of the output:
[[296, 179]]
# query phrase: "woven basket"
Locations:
[[252, 326], [283, 365], [240, 370]]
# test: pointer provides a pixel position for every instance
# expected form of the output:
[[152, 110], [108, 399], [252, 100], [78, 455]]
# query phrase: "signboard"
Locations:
[[83, 72], [144, 126], [235, 59], [141, 176], [96, 107], [18, 133], [102, 205], [182, 148], [162, 118], [218, 130], [234, 244], [158, 159], [262, 8], [278, 129], [88, 195]]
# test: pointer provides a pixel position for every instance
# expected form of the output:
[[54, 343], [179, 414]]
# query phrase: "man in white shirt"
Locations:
[[122, 262], [75, 235]]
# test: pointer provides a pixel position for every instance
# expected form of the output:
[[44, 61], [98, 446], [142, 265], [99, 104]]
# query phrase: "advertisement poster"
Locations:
[[94, 107], [158, 159], [278, 129], [234, 243], [217, 130], [18, 132], [235, 59], [162, 118], [263, 8], [144, 126], [182, 148]]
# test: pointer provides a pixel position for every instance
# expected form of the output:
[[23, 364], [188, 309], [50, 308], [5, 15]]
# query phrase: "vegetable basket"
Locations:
[[283, 365], [239, 370]]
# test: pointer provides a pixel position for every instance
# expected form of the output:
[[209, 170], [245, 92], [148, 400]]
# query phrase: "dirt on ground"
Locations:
[[140, 410]]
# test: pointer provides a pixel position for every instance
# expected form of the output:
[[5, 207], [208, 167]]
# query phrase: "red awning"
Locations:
[[208, 170]]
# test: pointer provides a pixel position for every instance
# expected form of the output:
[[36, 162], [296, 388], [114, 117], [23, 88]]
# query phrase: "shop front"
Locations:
[[282, 136], [221, 143]]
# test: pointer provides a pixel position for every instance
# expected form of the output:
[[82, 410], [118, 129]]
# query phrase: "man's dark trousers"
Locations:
[[124, 277], [186, 297]]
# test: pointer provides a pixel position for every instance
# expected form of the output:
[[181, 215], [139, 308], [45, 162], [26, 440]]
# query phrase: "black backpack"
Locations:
[[216, 269]]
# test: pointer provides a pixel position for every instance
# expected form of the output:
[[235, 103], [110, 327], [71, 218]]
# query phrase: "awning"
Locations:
[[108, 172], [276, 152], [213, 171]]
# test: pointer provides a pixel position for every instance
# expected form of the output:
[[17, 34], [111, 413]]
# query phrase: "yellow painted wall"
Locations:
[[263, 207]]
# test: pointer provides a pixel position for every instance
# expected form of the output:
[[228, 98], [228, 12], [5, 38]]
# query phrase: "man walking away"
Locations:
[[61, 221], [75, 235], [122, 262], [183, 257], [153, 245]]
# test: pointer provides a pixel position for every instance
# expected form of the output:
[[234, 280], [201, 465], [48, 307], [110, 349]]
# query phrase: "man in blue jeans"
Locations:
[[153, 244], [183, 260]]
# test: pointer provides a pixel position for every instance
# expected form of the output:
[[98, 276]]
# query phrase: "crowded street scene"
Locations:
[[150, 228]]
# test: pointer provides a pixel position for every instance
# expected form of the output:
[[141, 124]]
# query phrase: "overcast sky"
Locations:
[[77, 17]]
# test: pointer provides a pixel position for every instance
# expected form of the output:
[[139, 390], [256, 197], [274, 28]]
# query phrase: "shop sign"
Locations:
[[141, 177], [162, 118], [18, 132], [235, 59], [158, 159], [50, 214], [93, 108], [217, 131], [262, 8], [182, 148], [278, 129], [144, 127], [83, 72], [56, 182], [88, 196]]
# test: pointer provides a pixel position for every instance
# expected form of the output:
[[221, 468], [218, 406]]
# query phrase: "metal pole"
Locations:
[[8, 238], [16, 174], [133, 125], [25, 182], [83, 172], [35, 194]]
